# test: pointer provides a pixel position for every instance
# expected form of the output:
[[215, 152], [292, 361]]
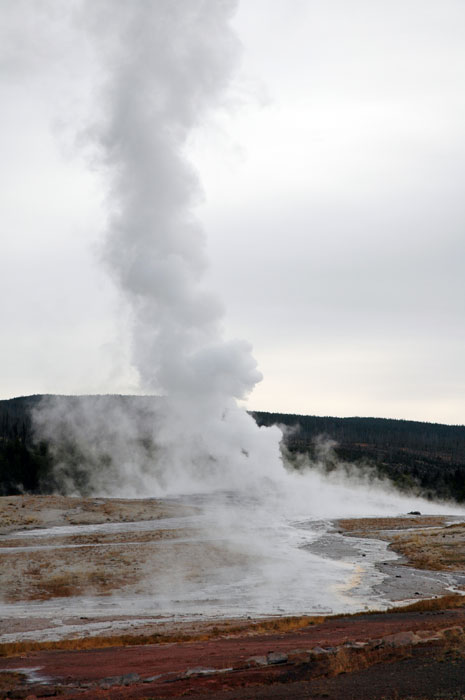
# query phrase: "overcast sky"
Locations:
[[334, 208]]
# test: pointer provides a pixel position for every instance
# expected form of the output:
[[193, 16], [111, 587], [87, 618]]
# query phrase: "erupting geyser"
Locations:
[[165, 65]]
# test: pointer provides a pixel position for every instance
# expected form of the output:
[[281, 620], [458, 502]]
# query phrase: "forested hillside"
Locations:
[[24, 466], [429, 457], [424, 456]]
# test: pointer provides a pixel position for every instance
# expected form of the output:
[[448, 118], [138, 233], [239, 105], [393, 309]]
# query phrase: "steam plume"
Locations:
[[166, 64]]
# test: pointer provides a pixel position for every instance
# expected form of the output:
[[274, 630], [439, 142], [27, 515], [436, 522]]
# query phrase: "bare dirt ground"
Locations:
[[390, 655], [35, 567], [60, 550], [427, 542], [414, 654], [28, 512], [39, 564]]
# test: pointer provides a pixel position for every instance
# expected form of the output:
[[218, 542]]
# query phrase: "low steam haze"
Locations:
[[323, 203]]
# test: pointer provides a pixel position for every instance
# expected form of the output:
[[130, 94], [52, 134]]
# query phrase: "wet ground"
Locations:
[[97, 567], [198, 576]]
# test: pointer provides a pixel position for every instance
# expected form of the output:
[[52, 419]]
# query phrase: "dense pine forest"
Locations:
[[426, 458]]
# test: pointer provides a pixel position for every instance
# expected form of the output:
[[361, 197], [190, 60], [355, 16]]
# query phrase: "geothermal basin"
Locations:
[[73, 567]]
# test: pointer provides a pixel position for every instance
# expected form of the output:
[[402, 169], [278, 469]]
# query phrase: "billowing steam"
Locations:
[[165, 64]]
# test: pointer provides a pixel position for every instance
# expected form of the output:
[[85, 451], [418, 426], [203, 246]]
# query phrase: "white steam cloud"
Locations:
[[165, 65]]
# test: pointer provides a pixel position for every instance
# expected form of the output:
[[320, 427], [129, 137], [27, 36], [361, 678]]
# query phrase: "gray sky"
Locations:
[[333, 208]]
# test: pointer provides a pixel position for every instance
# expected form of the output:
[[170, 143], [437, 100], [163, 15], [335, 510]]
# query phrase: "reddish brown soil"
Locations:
[[435, 669]]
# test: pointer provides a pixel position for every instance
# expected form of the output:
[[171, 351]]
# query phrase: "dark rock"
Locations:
[[400, 639], [111, 680], [255, 661], [319, 651], [299, 656], [276, 657], [129, 678], [355, 645], [199, 671], [172, 676]]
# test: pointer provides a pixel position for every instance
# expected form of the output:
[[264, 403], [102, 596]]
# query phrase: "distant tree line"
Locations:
[[25, 467], [447, 441], [427, 457]]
